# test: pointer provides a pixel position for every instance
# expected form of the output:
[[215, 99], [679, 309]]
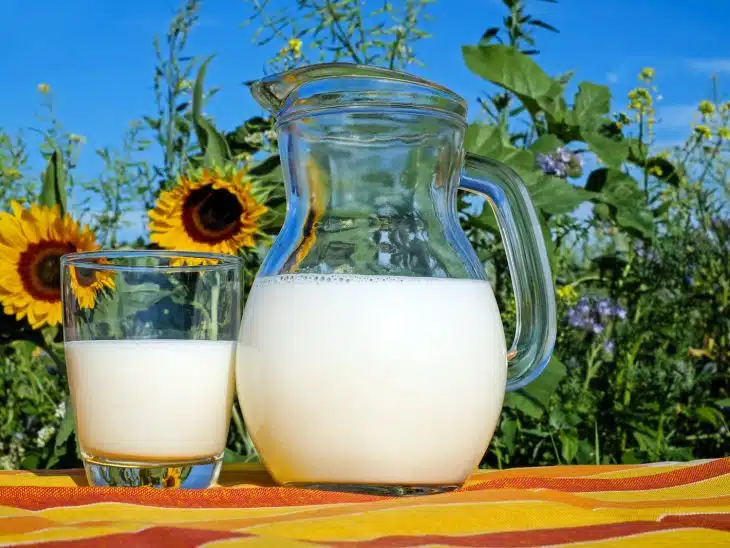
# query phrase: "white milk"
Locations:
[[359, 379], [151, 400]]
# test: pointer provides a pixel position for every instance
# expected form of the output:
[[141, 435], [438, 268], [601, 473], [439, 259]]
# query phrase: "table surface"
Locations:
[[663, 504]]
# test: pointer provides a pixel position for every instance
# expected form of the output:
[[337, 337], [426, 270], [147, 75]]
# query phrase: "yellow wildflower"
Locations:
[[706, 108], [724, 133], [295, 46], [703, 132], [640, 100], [44, 88], [568, 294], [725, 107], [647, 74], [656, 171]]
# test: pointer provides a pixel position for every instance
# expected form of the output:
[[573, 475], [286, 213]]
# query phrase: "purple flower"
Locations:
[[549, 165], [619, 312], [609, 346], [597, 328], [575, 318], [559, 163], [604, 308]]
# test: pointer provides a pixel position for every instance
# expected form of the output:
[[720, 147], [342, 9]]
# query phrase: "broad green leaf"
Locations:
[[592, 102], [613, 153], [53, 191], [555, 196], [485, 140], [638, 220], [516, 72], [516, 400], [710, 415], [534, 398], [546, 144], [620, 191], [723, 403], [508, 431], [568, 446], [213, 144]]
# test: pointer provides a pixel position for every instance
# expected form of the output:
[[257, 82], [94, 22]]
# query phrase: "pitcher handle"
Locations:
[[528, 264]]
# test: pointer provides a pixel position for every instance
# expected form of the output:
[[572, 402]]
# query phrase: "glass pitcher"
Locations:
[[372, 356]]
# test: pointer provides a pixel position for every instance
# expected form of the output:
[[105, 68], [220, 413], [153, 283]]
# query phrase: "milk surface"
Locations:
[[151, 400], [380, 380]]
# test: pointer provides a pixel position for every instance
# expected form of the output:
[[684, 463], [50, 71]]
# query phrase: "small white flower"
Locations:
[[60, 410], [44, 434]]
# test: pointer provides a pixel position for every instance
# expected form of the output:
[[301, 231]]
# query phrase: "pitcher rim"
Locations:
[[272, 91]]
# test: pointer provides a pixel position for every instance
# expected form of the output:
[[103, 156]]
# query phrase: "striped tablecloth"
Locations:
[[665, 504]]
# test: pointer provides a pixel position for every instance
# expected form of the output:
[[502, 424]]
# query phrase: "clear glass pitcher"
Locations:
[[371, 355]]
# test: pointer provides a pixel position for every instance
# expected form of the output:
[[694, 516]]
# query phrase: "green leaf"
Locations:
[[546, 144], [232, 456], [516, 400], [534, 398], [621, 192], [555, 196], [508, 68], [568, 446], [723, 403], [592, 102], [508, 431], [710, 415], [66, 427], [542, 388], [213, 144], [485, 140], [54, 183], [613, 153]]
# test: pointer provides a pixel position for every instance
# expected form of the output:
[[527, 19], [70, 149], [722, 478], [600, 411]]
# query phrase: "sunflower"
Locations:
[[173, 478], [210, 211], [32, 241]]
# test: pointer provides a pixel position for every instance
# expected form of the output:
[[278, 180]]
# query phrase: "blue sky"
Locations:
[[99, 60]]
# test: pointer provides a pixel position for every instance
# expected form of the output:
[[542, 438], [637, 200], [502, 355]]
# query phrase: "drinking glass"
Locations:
[[149, 339]]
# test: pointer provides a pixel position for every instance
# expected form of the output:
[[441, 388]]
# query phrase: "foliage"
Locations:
[[641, 368], [334, 30]]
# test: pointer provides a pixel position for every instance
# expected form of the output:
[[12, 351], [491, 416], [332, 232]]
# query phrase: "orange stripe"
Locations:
[[40, 498], [673, 478], [23, 524], [155, 536]]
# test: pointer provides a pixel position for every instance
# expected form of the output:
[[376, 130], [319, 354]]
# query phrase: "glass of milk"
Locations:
[[149, 339]]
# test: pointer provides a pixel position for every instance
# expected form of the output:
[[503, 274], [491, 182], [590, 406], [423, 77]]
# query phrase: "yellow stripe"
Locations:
[[121, 513], [446, 519], [683, 538]]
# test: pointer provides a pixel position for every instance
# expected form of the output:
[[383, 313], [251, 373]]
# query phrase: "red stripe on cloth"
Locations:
[[40, 498], [170, 537], [673, 478], [540, 537]]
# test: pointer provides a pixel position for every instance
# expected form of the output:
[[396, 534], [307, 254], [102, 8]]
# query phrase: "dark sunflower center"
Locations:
[[85, 276], [40, 269], [211, 215]]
